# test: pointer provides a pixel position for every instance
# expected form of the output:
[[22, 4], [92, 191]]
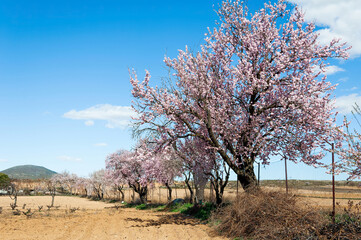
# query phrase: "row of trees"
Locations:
[[96, 185], [147, 164]]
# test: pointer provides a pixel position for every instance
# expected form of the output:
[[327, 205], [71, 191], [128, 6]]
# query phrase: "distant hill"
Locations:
[[28, 172]]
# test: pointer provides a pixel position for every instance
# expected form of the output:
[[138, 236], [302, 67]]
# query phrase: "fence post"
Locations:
[[333, 185], [175, 188], [185, 190], [286, 175], [237, 186], [259, 171]]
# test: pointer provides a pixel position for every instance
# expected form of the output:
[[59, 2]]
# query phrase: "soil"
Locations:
[[94, 220], [100, 220]]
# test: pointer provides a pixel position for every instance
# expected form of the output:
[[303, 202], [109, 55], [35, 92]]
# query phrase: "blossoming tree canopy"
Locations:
[[251, 92], [351, 154], [130, 167]]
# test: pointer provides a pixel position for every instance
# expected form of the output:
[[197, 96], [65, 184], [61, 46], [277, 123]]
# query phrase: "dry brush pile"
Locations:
[[276, 215]]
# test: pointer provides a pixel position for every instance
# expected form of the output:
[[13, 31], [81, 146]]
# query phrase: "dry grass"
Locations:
[[268, 215]]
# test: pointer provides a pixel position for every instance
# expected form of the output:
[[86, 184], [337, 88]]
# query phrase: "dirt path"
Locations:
[[93, 221]]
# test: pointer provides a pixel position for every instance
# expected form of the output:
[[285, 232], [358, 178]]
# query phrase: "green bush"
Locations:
[[180, 207], [4, 181], [202, 212]]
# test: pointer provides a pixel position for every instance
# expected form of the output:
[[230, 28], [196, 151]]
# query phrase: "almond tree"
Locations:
[[130, 167], [205, 164], [351, 155], [81, 185], [99, 183], [251, 89], [164, 166], [52, 184], [115, 179], [65, 180]]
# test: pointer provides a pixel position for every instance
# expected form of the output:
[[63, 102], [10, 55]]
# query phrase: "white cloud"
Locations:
[[329, 70], [89, 123], [340, 19], [116, 116], [349, 89], [101, 144], [69, 159], [4, 160], [333, 69], [344, 104], [344, 79]]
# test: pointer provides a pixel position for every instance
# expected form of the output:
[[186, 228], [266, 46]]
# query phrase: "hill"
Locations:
[[28, 172]]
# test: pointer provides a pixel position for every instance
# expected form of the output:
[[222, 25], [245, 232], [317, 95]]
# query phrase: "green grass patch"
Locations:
[[348, 218], [202, 212], [160, 208], [180, 207], [142, 206]]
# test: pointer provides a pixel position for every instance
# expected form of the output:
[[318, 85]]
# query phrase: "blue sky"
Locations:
[[64, 82]]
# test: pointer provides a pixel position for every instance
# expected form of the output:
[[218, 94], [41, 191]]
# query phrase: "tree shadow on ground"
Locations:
[[179, 219]]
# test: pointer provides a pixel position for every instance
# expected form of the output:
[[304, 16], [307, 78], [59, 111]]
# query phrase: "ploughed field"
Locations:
[[80, 218]]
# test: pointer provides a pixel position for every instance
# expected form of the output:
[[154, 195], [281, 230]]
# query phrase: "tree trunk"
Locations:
[[169, 192], [200, 191], [190, 190], [142, 191], [122, 193], [16, 199], [218, 189], [219, 197], [246, 176], [52, 200], [143, 194]]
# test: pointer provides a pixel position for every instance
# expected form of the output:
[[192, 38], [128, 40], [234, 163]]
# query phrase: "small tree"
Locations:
[[51, 186], [164, 166], [116, 182], [66, 181], [205, 164], [99, 182], [4, 181], [81, 185], [13, 194], [130, 167], [351, 155]]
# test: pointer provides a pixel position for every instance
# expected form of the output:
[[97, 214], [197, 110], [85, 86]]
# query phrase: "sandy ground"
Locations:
[[95, 220], [99, 220], [61, 202]]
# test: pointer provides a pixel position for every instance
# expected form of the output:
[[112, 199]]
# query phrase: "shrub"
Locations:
[[4, 181], [202, 212], [347, 223]]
